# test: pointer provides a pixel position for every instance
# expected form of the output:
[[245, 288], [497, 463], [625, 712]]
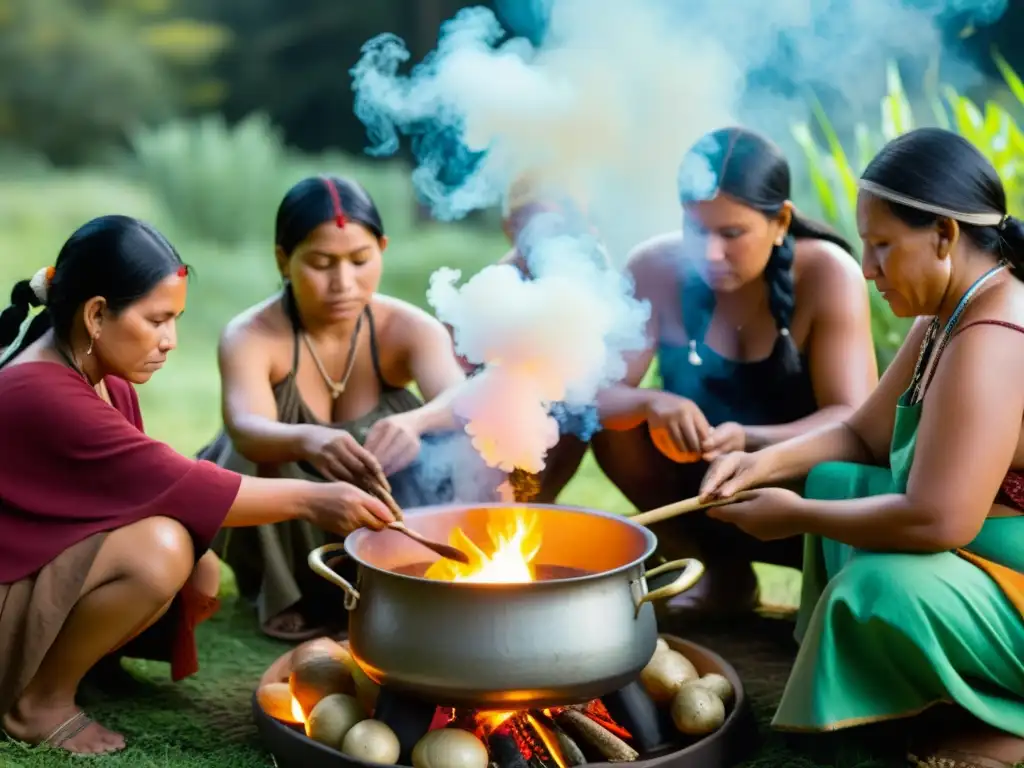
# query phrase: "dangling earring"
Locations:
[[91, 342], [693, 358]]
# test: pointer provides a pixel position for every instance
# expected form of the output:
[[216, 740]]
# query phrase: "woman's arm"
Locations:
[[968, 435], [332, 506], [431, 363], [862, 438], [624, 405], [840, 350], [247, 399]]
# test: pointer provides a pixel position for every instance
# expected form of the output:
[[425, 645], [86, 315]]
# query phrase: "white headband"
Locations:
[[977, 219]]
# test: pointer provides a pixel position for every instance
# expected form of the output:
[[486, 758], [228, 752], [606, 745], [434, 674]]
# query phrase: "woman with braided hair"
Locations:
[[104, 531], [913, 507], [760, 324]]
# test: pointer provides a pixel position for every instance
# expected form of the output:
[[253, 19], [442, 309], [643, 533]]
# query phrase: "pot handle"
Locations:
[[320, 568], [692, 570]]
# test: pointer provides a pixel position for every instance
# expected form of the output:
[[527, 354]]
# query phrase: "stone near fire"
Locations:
[[367, 691], [717, 684], [332, 718], [666, 673], [320, 668], [372, 741], [696, 711], [276, 700], [449, 748]]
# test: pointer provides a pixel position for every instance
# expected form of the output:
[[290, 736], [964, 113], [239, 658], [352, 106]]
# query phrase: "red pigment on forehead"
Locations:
[[182, 271], [339, 213]]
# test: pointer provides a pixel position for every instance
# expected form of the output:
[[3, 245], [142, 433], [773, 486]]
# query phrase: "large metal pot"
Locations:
[[506, 646]]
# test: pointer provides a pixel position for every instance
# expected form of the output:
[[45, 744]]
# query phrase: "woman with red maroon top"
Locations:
[[103, 530]]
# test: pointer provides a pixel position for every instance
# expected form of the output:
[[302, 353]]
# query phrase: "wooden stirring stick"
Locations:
[[682, 507], [445, 551]]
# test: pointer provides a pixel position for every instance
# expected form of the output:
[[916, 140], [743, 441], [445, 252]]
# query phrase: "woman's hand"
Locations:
[[394, 441], [342, 508], [725, 438], [766, 514], [735, 472], [678, 427], [336, 455]]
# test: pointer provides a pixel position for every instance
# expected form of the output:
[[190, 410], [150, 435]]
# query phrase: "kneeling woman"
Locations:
[[314, 383], [914, 583], [103, 530], [761, 328]]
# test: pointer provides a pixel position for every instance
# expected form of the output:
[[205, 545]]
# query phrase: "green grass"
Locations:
[[205, 721]]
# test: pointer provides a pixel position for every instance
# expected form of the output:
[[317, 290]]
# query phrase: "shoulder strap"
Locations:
[[1000, 323], [374, 353]]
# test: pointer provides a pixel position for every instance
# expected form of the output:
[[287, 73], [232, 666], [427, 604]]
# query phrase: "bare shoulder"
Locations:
[[821, 263], [399, 323], [654, 262], [266, 322], [825, 274], [262, 335]]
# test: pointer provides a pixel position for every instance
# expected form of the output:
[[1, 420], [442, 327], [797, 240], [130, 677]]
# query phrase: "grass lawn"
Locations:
[[205, 721]]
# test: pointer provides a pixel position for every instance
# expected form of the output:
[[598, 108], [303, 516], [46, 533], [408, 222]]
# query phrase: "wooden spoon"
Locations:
[[445, 551], [684, 506]]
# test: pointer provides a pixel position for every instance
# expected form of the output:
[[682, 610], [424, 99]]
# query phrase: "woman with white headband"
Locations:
[[914, 577]]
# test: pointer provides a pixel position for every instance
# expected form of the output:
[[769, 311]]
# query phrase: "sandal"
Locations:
[[950, 758], [292, 636]]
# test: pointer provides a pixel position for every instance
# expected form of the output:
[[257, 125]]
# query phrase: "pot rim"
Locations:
[[650, 541]]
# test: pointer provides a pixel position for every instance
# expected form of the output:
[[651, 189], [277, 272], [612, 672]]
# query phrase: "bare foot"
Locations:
[[64, 727], [980, 746]]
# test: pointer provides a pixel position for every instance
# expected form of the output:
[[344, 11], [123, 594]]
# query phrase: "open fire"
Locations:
[[515, 538]]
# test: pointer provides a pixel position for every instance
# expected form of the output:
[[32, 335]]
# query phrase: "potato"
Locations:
[[366, 690], [666, 673], [320, 669], [276, 700], [372, 741], [449, 748], [332, 718], [696, 711], [718, 685]]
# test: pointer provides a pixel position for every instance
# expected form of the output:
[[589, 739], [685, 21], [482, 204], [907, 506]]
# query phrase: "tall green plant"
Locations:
[[833, 174], [220, 183]]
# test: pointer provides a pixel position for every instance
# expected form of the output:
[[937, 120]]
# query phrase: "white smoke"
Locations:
[[607, 106]]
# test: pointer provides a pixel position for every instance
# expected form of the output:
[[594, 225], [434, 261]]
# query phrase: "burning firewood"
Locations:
[[586, 730], [504, 749], [569, 750]]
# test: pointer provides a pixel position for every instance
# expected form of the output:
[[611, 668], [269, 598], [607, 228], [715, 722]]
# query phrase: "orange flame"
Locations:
[[515, 539]]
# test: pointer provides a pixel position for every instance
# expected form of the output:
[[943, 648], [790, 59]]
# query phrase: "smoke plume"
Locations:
[[602, 105]]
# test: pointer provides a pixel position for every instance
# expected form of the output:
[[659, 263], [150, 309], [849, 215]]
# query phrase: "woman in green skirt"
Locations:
[[914, 562]]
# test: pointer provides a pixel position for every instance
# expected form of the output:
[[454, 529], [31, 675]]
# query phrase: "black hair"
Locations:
[[319, 199], [752, 170], [944, 169], [118, 258]]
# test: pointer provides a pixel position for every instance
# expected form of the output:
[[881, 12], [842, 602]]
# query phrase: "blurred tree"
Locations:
[[78, 74], [292, 59]]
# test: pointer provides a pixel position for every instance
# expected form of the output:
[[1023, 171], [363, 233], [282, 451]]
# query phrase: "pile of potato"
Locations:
[[337, 701], [697, 703]]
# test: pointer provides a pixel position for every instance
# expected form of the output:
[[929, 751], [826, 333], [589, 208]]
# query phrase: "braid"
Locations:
[[23, 298], [778, 274]]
